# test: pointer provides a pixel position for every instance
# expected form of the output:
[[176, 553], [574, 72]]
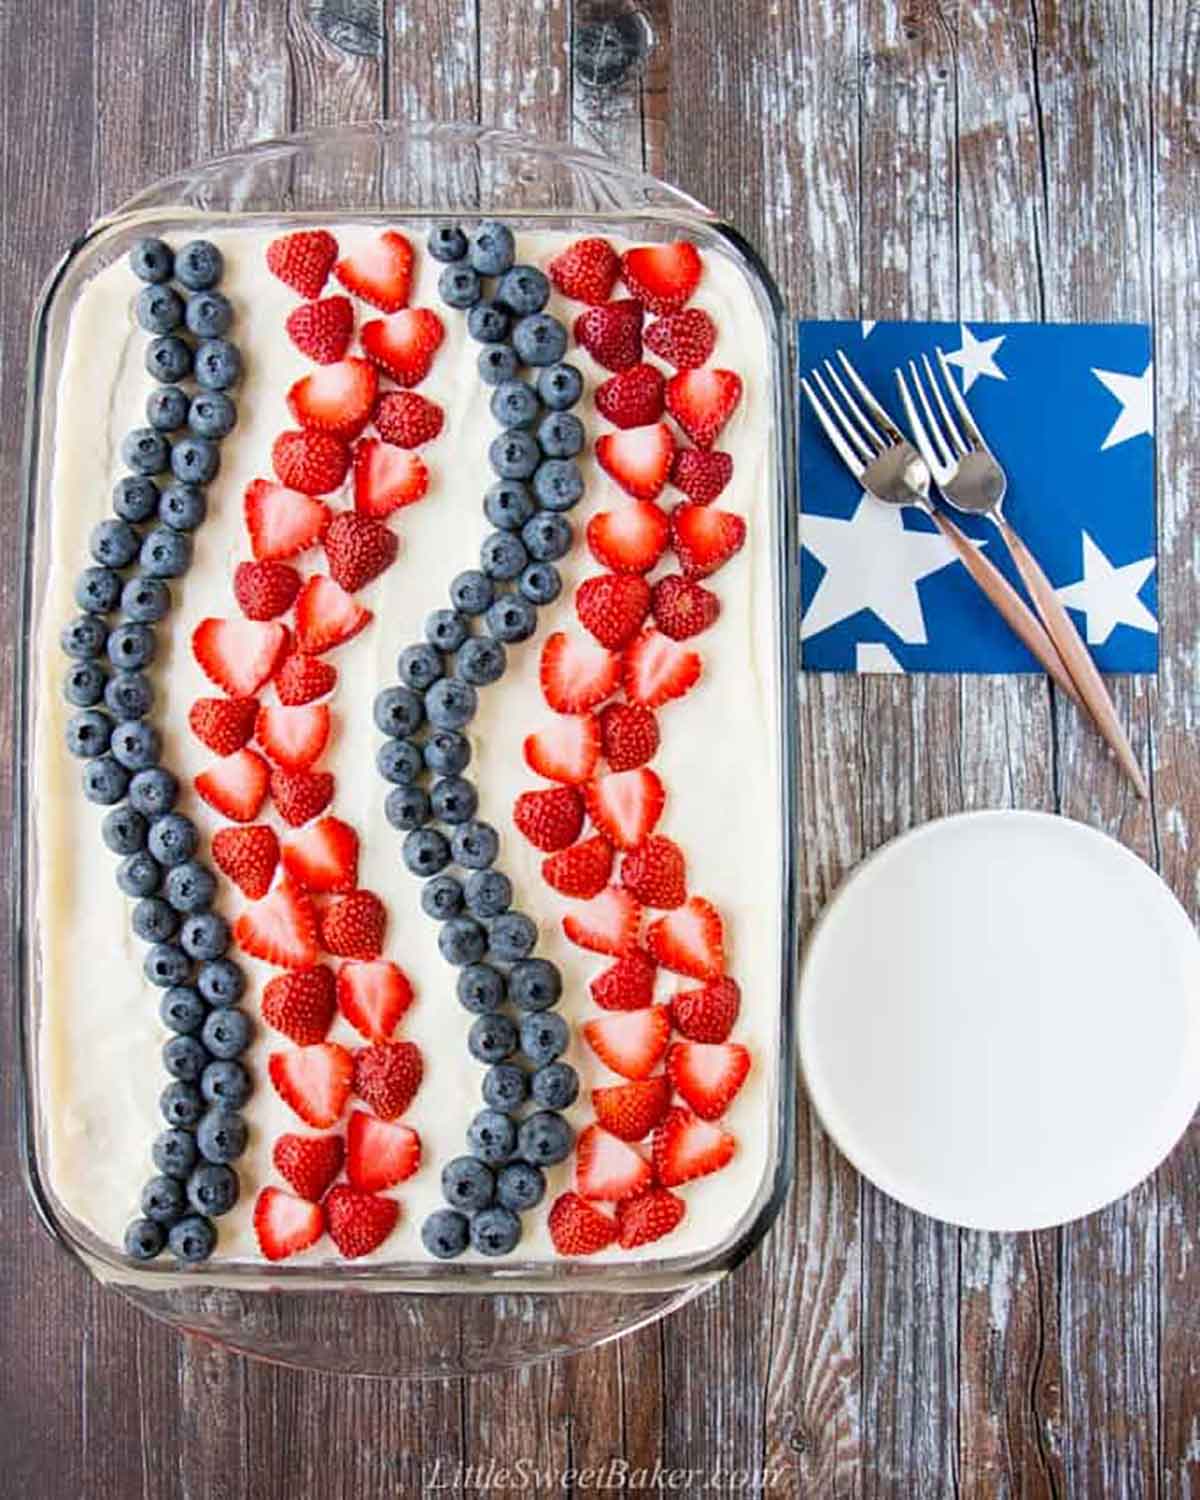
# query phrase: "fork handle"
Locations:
[[1074, 653]]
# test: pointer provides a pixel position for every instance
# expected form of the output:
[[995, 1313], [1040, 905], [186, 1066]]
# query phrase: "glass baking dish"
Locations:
[[420, 1317]]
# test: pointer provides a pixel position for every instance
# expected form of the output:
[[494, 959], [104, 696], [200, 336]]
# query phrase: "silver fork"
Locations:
[[969, 476], [888, 467]]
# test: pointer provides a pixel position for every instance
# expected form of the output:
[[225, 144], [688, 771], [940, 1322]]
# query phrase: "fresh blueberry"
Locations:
[[467, 1183], [462, 941], [212, 1189], [407, 807], [399, 761], [487, 323], [454, 799], [136, 744], [181, 1104], [495, 1231], [123, 830], [218, 366], [227, 1032], [114, 544], [154, 792], [173, 839], [135, 498], [519, 1186], [512, 936], [195, 460], [84, 637], [539, 339], [492, 248], [139, 875], [208, 315], [447, 242], [426, 852], [471, 592], [445, 1233], [558, 484], [174, 1153], [89, 733], [166, 966], [205, 934], [398, 711], [560, 435], [445, 630], [492, 1136], [182, 1010], [159, 309], [497, 362], [547, 536], [512, 619], [544, 1138], [492, 1038], [131, 647], [168, 359], [419, 667], [154, 921], [488, 893], [543, 1037], [502, 556], [450, 703], [190, 887], [481, 660], [515, 404], [225, 1083], [508, 504], [192, 1240], [83, 686], [212, 415], [475, 845], [504, 1087], [182, 506], [559, 386], [221, 1135], [514, 454], [129, 695], [555, 1086], [535, 984], [523, 290], [184, 1057], [480, 989], [442, 897], [104, 780], [97, 590], [145, 451], [458, 286], [151, 260], [166, 408], [221, 982], [163, 1199], [145, 600], [199, 265], [447, 753]]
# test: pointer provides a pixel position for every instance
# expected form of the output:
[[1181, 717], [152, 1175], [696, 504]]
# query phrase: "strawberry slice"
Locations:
[[629, 540], [301, 795], [612, 334], [642, 1220], [223, 724], [632, 398], [708, 1074], [303, 260], [682, 607], [625, 805], [313, 462], [707, 1014], [235, 786], [302, 678], [248, 856], [631, 1111], [322, 330], [403, 345], [628, 735], [608, 1168], [586, 271], [284, 1225], [386, 478], [353, 926], [582, 870], [313, 1081], [380, 1153], [373, 995], [608, 923], [323, 857], [690, 940], [380, 272], [705, 539], [662, 276], [309, 1163], [630, 1042], [626, 985], [326, 615], [577, 1228], [301, 1004], [359, 1222], [566, 750], [359, 549], [387, 1076], [293, 737], [576, 675], [240, 655], [281, 929], [657, 669], [686, 1148], [655, 873], [407, 419], [336, 398], [702, 401], [639, 460], [701, 473], [612, 606], [282, 523], [550, 820], [684, 339]]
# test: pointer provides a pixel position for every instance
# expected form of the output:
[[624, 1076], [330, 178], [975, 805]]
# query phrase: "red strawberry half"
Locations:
[[702, 401], [386, 478], [626, 985], [684, 339], [284, 1225], [642, 1220], [682, 607], [380, 1153], [612, 334], [582, 870], [380, 272], [662, 276], [655, 873], [403, 345], [301, 795], [309, 1163], [632, 398], [313, 462], [387, 1076], [293, 737], [302, 678], [336, 398], [223, 724], [550, 820], [235, 786], [631, 1043], [281, 929], [629, 540], [707, 1014], [701, 473], [323, 857], [608, 923], [625, 805], [628, 735], [686, 1148], [639, 459], [238, 655], [576, 675], [301, 1004], [313, 1081], [608, 1168], [689, 940], [248, 856], [322, 330], [708, 1074], [704, 538], [407, 419], [265, 590], [359, 549], [612, 606], [282, 523], [586, 271], [373, 995], [632, 1110], [657, 669], [303, 260], [353, 926], [326, 615], [359, 1222], [577, 1228], [566, 750]]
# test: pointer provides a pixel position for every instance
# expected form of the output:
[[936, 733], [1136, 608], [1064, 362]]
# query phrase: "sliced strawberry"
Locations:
[[280, 928], [386, 478], [608, 1168], [655, 873], [566, 750], [359, 1222], [702, 401], [235, 786], [612, 334], [708, 1074], [379, 272], [282, 523], [265, 590], [359, 549], [686, 1148], [701, 473], [313, 1081], [639, 460], [336, 398], [407, 419], [313, 462], [632, 1110], [322, 330], [705, 539], [642, 1220], [293, 737], [302, 678], [323, 857], [550, 820], [576, 675], [582, 870], [626, 985], [303, 260], [684, 339], [690, 940], [631, 1042], [626, 805], [403, 345], [223, 724], [239, 655], [326, 615], [657, 669], [301, 1004], [380, 1153], [608, 923], [612, 606], [586, 271], [629, 540], [309, 1163], [387, 1076], [632, 398], [662, 276], [577, 1228], [682, 607], [301, 795], [284, 1225], [628, 735], [373, 995], [707, 1014], [248, 856], [353, 926]]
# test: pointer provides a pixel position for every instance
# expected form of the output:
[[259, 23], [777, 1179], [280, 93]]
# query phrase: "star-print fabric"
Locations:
[[1068, 411]]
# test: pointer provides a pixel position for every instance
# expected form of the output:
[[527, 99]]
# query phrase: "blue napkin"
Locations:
[[1068, 411]]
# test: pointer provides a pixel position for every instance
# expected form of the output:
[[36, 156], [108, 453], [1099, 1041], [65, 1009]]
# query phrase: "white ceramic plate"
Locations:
[[1000, 1020]]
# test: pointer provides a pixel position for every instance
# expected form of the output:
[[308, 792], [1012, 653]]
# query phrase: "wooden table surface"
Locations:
[[994, 159]]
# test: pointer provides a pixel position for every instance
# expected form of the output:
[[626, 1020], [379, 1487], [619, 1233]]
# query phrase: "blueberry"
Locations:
[[174, 1153], [166, 408], [173, 839], [104, 780], [184, 1057], [454, 800], [163, 1200], [221, 1135], [205, 934], [447, 242], [519, 1186], [218, 365], [543, 1037], [508, 504], [123, 830], [97, 590], [447, 753], [212, 415], [182, 1010], [114, 544], [547, 537], [168, 359], [144, 1239], [495, 1231], [190, 887], [487, 323], [492, 248], [514, 454], [467, 1183], [558, 484], [145, 600], [559, 386], [136, 744], [221, 982], [84, 637], [145, 451], [560, 435], [199, 265], [129, 695], [471, 592], [399, 761], [475, 845], [227, 1032], [504, 1086], [523, 290], [154, 921], [192, 1240], [131, 647], [502, 556], [458, 286], [153, 792], [488, 893], [398, 711], [445, 629], [462, 941], [444, 1233], [182, 506], [535, 984], [492, 1038], [212, 1189], [426, 852], [166, 966], [450, 704], [135, 497], [159, 309], [195, 460], [555, 1086], [419, 667], [181, 1104], [512, 619], [481, 660], [442, 897], [480, 989], [407, 807], [491, 1135], [544, 1138], [151, 260], [539, 339], [139, 875], [89, 733], [83, 686], [497, 362], [208, 315], [515, 404], [225, 1083], [512, 936]]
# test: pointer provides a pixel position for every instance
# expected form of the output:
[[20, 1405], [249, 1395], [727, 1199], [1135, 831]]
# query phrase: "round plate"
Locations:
[[1000, 1020]]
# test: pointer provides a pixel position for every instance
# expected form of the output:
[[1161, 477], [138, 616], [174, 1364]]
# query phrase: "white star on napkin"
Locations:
[[976, 357], [1108, 596], [1136, 395]]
